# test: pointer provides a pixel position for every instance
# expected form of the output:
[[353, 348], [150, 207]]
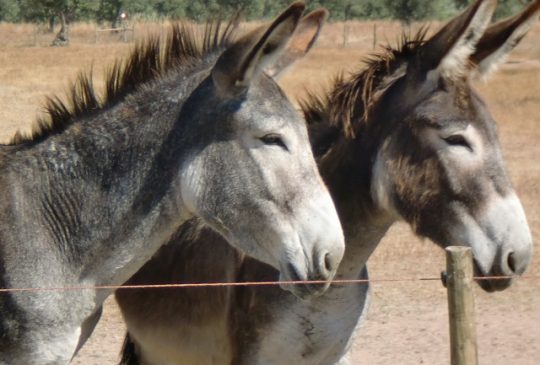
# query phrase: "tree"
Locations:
[[111, 10], [408, 11], [507, 8], [348, 9], [200, 10], [271, 8], [250, 9], [64, 11], [504, 8], [9, 11], [372, 9], [174, 9]]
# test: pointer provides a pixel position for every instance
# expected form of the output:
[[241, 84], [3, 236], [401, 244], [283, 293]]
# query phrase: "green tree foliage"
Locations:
[[202, 9], [43, 10], [504, 9], [271, 8], [353, 9], [408, 11], [507, 8], [173, 9], [108, 10], [9, 11]]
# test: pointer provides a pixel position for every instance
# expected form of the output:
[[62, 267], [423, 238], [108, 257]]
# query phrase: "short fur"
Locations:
[[395, 141], [101, 184]]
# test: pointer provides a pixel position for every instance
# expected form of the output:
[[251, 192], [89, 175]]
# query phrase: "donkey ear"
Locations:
[[304, 38], [246, 58], [449, 49], [501, 38]]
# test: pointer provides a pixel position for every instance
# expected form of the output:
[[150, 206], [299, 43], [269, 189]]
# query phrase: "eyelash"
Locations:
[[273, 140], [458, 140]]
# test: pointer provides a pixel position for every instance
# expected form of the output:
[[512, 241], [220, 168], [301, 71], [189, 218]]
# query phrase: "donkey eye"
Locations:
[[457, 140], [275, 140]]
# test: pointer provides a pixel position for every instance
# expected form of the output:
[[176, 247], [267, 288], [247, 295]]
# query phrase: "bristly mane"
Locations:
[[346, 108], [148, 61]]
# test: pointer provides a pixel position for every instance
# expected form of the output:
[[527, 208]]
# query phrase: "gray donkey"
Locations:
[[189, 129], [406, 138]]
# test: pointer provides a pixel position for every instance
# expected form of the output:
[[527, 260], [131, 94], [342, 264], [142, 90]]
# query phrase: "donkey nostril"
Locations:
[[511, 262], [328, 262]]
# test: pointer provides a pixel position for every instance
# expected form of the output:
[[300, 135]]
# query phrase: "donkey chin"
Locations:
[[500, 239], [502, 272], [304, 291], [505, 267], [499, 282]]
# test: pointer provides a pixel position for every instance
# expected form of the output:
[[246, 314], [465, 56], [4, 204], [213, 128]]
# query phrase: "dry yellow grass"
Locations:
[[27, 74]]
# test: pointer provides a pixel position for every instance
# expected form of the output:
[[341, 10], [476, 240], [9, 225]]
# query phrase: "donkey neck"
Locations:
[[346, 169], [349, 128], [108, 185]]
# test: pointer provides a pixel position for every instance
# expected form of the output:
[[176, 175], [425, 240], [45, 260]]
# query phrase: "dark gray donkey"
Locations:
[[406, 138], [189, 129]]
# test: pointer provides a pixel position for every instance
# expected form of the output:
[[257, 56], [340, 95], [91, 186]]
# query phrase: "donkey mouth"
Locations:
[[492, 282], [300, 288]]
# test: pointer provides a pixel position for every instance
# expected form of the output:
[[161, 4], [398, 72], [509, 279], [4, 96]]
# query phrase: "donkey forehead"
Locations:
[[265, 93], [263, 123], [456, 106], [265, 105]]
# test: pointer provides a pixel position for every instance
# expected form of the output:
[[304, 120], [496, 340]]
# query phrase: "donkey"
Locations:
[[406, 138], [188, 129]]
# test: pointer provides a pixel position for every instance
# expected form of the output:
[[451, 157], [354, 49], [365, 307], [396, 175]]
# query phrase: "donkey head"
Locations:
[[251, 175], [440, 165]]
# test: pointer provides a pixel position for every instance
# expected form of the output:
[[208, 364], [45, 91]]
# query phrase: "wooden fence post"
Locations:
[[345, 33], [374, 35], [459, 283], [36, 32]]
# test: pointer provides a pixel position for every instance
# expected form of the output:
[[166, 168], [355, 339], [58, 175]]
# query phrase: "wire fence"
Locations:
[[250, 283]]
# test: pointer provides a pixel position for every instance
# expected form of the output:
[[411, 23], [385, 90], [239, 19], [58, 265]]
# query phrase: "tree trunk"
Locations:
[[52, 21], [117, 21], [62, 37], [266, 9]]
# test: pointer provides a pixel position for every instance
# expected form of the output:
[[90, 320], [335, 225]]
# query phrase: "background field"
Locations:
[[407, 323]]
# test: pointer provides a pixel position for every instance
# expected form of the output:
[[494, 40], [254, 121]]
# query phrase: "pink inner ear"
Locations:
[[308, 30], [303, 39]]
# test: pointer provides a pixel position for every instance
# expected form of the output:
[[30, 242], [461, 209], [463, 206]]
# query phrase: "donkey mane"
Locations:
[[347, 107], [150, 59]]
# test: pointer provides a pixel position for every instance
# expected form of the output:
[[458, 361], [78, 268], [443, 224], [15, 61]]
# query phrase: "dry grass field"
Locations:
[[407, 323]]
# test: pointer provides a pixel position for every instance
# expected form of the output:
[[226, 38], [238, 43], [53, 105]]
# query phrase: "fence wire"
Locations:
[[249, 283]]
